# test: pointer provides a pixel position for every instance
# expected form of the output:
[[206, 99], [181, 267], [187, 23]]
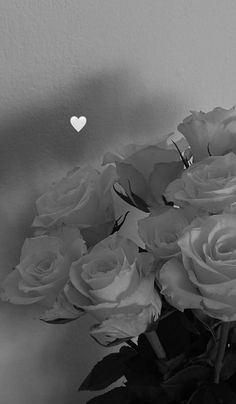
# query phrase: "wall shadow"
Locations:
[[37, 146]]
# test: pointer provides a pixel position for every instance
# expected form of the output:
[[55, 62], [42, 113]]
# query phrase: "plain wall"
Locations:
[[134, 68]]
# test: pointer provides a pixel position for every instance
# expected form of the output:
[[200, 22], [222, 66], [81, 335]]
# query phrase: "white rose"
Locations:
[[145, 170], [213, 132], [209, 185], [115, 284], [231, 208], [206, 277], [43, 269], [160, 233], [82, 199]]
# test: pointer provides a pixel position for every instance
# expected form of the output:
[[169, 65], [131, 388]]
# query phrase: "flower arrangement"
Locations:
[[170, 300]]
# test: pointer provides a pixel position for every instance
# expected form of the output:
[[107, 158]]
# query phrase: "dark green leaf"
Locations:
[[232, 335], [144, 348], [188, 324], [141, 371], [150, 394], [128, 352], [229, 365], [119, 395], [175, 342], [168, 366], [107, 371], [183, 383], [213, 394]]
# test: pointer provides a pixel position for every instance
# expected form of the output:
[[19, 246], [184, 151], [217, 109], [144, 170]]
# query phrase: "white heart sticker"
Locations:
[[78, 123]]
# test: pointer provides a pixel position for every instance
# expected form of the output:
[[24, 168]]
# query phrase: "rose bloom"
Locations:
[[115, 284], [160, 233], [145, 170], [206, 277], [43, 269], [213, 132], [82, 199], [209, 185]]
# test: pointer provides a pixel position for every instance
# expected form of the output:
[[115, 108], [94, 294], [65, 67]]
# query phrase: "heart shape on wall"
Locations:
[[78, 123]]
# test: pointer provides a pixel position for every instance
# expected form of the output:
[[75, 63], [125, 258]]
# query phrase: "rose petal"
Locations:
[[94, 273], [10, 291], [110, 157], [129, 227], [75, 297], [197, 135], [124, 283], [131, 180], [124, 326], [116, 241], [144, 295], [162, 175], [182, 294], [76, 199], [193, 261], [62, 309], [144, 160], [174, 192], [177, 287], [224, 292], [99, 311], [98, 252], [75, 276], [219, 310], [35, 245], [43, 290], [160, 233], [107, 178], [71, 237], [123, 152]]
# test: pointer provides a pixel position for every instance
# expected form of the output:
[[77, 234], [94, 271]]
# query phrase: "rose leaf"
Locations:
[[107, 371], [182, 384], [115, 396], [229, 365], [213, 394]]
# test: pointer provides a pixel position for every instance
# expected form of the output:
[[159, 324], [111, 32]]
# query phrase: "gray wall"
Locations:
[[134, 68]]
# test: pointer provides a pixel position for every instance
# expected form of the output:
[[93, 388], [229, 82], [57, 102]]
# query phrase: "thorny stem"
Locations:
[[221, 350]]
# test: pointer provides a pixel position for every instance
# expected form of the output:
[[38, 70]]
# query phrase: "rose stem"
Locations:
[[154, 341], [221, 350]]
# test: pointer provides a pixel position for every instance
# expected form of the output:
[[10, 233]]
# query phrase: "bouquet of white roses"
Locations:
[[168, 278]]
